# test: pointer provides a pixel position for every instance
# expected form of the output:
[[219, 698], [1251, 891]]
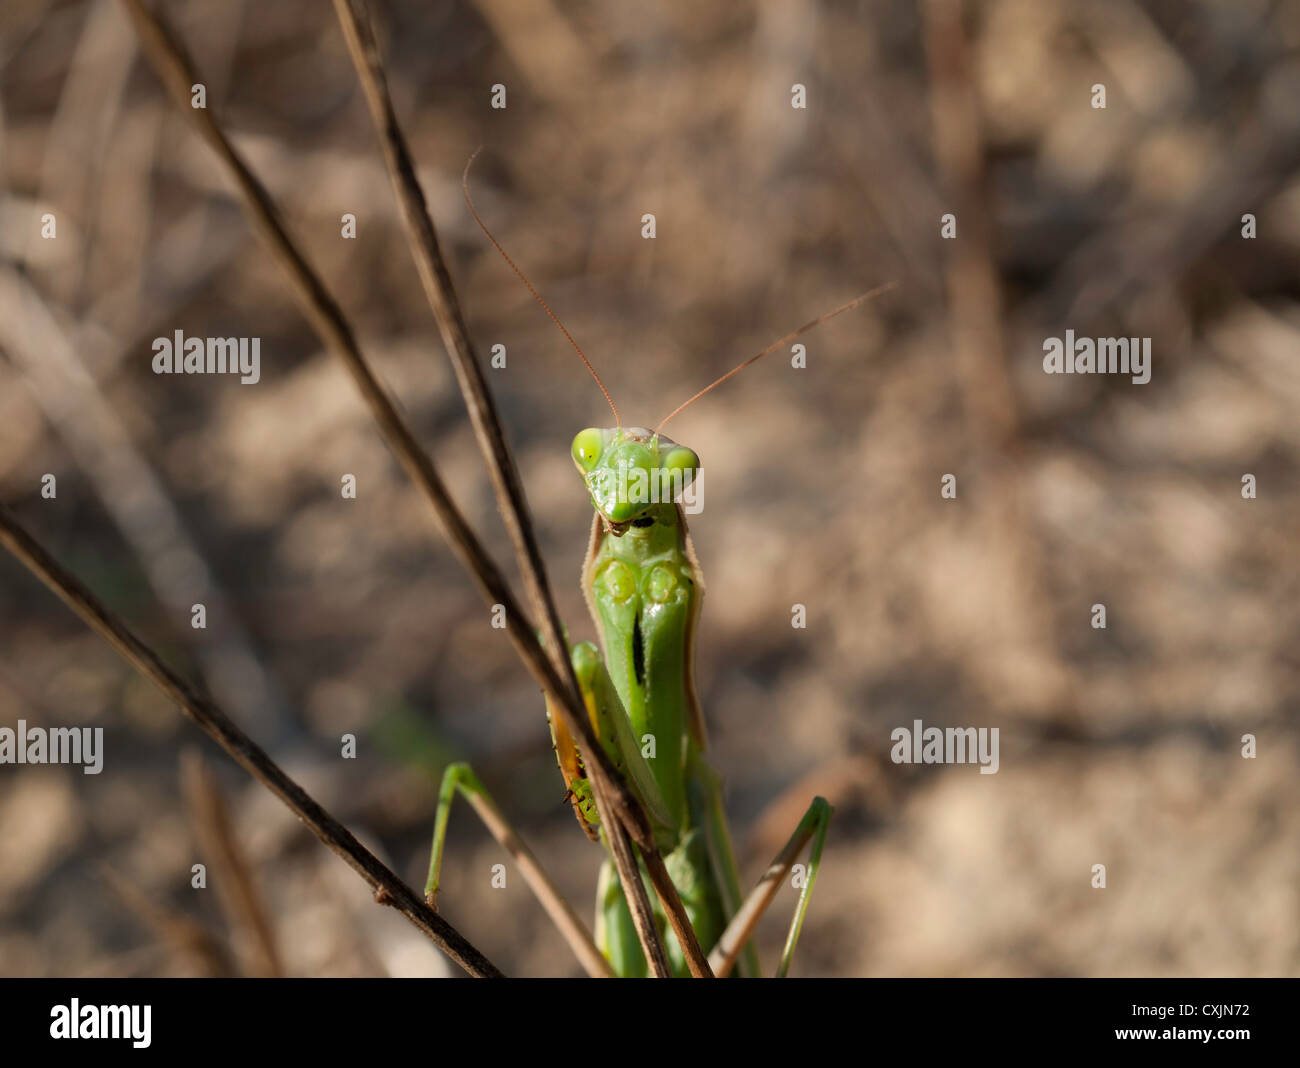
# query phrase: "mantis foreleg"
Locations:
[[813, 826], [460, 778]]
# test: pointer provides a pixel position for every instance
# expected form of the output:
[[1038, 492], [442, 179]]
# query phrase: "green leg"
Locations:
[[818, 820], [460, 778], [456, 777], [813, 827]]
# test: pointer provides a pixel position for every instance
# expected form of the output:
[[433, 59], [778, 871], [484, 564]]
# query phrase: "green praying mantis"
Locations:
[[644, 588]]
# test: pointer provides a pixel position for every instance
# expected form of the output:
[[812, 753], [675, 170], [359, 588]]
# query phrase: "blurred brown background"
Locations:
[[1118, 747]]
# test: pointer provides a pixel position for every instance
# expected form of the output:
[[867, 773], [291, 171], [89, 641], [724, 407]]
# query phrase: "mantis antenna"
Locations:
[[464, 185], [776, 345]]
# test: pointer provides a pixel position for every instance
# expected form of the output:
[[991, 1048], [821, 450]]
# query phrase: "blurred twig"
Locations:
[[973, 289], [89, 100], [181, 933], [327, 318], [540, 42], [975, 312], [131, 492], [240, 901], [1142, 248], [132, 963], [247, 753], [611, 793]]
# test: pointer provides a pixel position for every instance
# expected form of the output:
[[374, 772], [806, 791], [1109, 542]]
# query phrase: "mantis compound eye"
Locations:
[[587, 447], [679, 469]]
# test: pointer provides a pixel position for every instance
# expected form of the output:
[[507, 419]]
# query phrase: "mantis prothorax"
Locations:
[[644, 588]]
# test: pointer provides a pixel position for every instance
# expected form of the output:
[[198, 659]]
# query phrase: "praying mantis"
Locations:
[[644, 588]]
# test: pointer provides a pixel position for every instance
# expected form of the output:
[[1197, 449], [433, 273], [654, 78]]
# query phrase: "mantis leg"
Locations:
[[819, 817], [813, 827], [461, 778]]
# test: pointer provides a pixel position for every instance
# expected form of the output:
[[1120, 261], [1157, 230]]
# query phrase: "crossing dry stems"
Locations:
[[612, 794], [388, 888], [550, 665]]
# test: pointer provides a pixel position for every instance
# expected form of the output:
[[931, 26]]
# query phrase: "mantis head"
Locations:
[[629, 470]]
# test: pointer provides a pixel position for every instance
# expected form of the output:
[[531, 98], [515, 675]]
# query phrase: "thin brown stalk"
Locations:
[[677, 917], [326, 317], [441, 294], [237, 892], [180, 933], [389, 889], [978, 342], [177, 73], [560, 911], [54, 359], [638, 901]]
